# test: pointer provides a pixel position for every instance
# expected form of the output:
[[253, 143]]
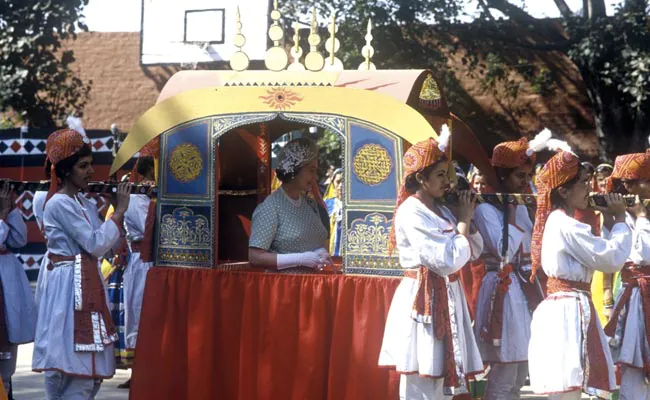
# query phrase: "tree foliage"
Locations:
[[36, 77], [611, 53]]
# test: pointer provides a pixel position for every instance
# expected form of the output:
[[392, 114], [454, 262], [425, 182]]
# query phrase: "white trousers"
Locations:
[[633, 386], [575, 395], [59, 386], [415, 387], [504, 381]]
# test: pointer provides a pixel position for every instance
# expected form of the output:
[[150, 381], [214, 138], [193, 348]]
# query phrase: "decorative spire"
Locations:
[[368, 51], [239, 60], [314, 60], [276, 57], [332, 45], [296, 51]]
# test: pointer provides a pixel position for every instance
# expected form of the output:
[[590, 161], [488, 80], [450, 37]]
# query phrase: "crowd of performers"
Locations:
[[482, 291], [468, 304], [77, 337]]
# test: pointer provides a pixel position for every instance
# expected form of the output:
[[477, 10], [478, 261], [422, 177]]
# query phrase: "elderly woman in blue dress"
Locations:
[[289, 230]]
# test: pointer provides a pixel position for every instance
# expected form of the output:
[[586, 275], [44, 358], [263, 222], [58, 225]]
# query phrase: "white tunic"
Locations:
[[20, 309], [136, 271], [72, 225], [515, 332], [631, 325], [426, 239], [556, 357], [37, 206]]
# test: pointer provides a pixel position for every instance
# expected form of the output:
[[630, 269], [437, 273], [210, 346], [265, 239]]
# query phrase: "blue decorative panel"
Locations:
[[366, 242], [185, 235], [373, 165], [187, 169]]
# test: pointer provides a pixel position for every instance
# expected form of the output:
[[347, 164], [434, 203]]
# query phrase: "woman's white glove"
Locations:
[[312, 259]]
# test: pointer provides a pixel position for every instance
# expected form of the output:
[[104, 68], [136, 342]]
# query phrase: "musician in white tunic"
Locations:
[[428, 337], [568, 352], [628, 326], [74, 332], [17, 308], [139, 221], [507, 297]]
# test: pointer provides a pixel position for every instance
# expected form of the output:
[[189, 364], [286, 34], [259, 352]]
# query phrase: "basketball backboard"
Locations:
[[191, 31]]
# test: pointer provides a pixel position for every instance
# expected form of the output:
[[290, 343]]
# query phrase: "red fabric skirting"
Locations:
[[207, 334]]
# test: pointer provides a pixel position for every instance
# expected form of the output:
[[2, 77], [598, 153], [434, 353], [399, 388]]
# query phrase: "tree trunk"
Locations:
[[594, 9], [620, 128]]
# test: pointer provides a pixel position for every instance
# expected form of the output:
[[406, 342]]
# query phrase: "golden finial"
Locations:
[[296, 51], [239, 61], [314, 60], [332, 45], [276, 57], [368, 51]]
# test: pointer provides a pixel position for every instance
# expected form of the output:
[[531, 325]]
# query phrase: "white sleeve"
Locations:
[[641, 247], [4, 232], [594, 252], [17, 236], [429, 246], [96, 240], [490, 224], [135, 216], [476, 243]]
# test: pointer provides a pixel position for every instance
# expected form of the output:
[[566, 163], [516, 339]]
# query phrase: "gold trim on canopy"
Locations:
[[365, 105]]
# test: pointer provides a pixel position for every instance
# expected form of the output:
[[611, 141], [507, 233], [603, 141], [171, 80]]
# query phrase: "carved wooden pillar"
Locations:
[[263, 163]]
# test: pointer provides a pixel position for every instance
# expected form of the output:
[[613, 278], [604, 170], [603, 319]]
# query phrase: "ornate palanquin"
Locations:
[[217, 128], [222, 330]]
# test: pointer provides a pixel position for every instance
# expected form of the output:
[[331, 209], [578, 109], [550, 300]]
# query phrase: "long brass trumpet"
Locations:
[[93, 187], [497, 199]]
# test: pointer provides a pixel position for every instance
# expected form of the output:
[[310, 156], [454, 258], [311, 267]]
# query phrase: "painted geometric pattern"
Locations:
[[11, 147], [223, 124]]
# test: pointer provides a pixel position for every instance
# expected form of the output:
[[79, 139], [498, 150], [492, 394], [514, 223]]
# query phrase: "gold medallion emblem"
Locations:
[[372, 164], [186, 163]]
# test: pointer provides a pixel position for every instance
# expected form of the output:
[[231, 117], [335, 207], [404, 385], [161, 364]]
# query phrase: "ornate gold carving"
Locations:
[[183, 228], [280, 98], [239, 60], [372, 164], [189, 256], [314, 60], [296, 51], [368, 51], [332, 45], [185, 162], [369, 236], [276, 57]]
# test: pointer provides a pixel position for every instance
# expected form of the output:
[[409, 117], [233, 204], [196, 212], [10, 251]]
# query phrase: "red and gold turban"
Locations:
[[60, 145], [635, 166], [517, 153], [560, 169], [416, 158], [512, 154], [151, 149]]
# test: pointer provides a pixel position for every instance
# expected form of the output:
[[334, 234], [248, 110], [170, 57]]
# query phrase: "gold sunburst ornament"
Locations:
[[186, 163], [372, 164], [280, 98]]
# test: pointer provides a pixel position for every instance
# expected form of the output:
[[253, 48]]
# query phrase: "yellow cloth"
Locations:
[[106, 265], [597, 288], [3, 391]]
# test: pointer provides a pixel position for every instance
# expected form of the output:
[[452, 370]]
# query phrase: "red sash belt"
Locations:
[[598, 376], [634, 276], [4, 251], [492, 332], [93, 325], [431, 283]]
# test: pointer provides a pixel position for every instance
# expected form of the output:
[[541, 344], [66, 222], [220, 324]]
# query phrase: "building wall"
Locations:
[[122, 90]]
